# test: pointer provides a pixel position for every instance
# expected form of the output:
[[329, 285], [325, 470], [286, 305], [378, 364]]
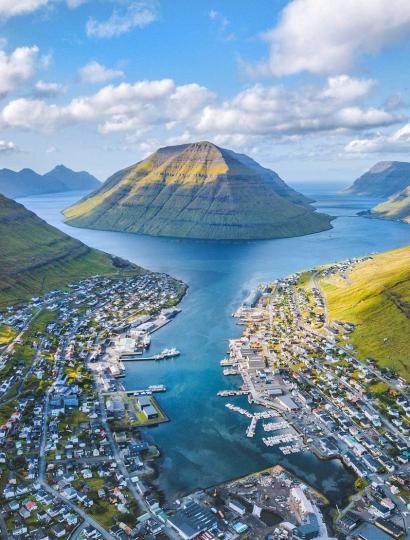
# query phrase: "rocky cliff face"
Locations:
[[198, 191], [383, 180]]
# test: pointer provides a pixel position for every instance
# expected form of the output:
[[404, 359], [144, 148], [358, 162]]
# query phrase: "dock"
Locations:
[[250, 432], [232, 393], [141, 392], [163, 355], [275, 426], [230, 371]]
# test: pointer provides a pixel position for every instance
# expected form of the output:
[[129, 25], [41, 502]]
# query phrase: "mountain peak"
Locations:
[[28, 182], [384, 179], [198, 190]]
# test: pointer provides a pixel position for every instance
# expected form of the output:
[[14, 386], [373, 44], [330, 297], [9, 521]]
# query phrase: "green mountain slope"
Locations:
[[198, 191], [397, 207], [36, 257], [27, 182], [376, 298], [383, 180]]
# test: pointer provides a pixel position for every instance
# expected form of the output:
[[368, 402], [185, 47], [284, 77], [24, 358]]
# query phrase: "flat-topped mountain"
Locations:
[[397, 207], [199, 191], [27, 182], [383, 180], [36, 257]]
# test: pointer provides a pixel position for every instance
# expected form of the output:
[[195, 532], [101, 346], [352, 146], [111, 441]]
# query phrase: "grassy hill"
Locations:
[[36, 257], [198, 191], [376, 298], [397, 207]]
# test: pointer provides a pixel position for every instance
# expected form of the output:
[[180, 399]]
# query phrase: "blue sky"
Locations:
[[315, 89]]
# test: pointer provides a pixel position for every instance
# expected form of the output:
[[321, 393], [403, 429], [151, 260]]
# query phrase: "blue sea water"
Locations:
[[205, 443]]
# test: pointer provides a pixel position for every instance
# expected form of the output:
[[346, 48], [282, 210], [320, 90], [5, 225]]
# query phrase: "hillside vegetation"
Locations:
[[198, 191], [376, 298], [397, 207], [36, 257]]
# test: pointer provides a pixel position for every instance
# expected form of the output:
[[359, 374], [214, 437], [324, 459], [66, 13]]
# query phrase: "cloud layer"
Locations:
[[271, 111]]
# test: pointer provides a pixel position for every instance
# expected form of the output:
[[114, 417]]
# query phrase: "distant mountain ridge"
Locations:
[[36, 257], [383, 180], [27, 182], [201, 191]]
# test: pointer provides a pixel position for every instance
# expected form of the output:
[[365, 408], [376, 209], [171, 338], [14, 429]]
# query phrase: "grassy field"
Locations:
[[7, 333], [376, 298]]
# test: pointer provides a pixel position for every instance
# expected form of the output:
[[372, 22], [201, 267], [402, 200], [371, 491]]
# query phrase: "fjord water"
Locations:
[[205, 443]]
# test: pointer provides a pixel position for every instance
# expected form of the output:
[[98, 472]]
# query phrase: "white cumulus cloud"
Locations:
[[270, 112], [16, 68], [95, 72], [326, 36]]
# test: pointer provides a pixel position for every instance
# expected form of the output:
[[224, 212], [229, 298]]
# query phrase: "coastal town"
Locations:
[[314, 395], [72, 462], [75, 463]]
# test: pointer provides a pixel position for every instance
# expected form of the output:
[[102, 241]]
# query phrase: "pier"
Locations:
[[275, 426], [141, 392], [163, 355], [250, 432], [232, 393]]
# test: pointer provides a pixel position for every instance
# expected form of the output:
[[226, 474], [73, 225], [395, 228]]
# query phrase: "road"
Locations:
[[86, 517], [121, 465], [77, 531], [42, 469], [371, 408]]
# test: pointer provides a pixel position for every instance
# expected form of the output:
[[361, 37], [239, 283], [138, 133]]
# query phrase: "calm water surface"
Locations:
[[205, 443]]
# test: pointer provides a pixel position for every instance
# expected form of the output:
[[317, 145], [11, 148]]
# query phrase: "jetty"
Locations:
[[140, 392], [275, 426], [277, 439], [250, 432], [230, 371], [239, 410], [226, 362]]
